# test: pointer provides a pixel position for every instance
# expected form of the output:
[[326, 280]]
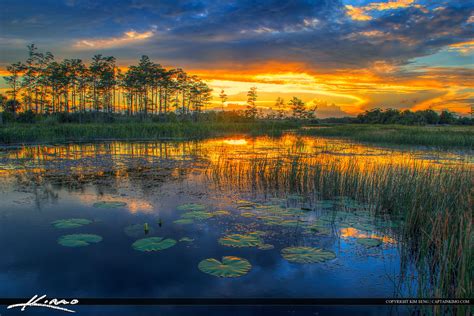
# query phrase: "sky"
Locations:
[[346, 56]]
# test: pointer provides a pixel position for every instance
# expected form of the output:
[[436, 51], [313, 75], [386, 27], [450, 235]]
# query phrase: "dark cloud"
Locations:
[[318, 33]]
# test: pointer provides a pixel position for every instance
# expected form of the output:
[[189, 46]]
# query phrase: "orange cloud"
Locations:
[[463, 47], [358, 14], [361, 13]]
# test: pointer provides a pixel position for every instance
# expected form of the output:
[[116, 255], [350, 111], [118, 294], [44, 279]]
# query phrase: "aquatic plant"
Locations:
[[369, 242], [241, 240], [70, 223], [109, 204], [184, 221], [229, 267], [79, 240], [138, 230], [440, 136], [186, 239], [307, 254], [197, 215], [221, 213], [433, 201], [153, 244], [191, 207], [266, 247], [247, 214]]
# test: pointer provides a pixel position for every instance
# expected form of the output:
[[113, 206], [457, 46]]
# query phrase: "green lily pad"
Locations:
[[138, 230], [186, 239], [221, 213], [109, 204], [240, 240], [230, 267], [184, 221], [191, 207], [369, 242], [306, 254], [245, 203], [247, 214], [71, 223], [245, 208], [79, 240], [266, 247], [197, 215], [319, 229], [153, 244]]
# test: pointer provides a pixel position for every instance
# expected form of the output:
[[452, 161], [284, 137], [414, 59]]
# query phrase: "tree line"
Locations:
[[407, 117], [43, 85]]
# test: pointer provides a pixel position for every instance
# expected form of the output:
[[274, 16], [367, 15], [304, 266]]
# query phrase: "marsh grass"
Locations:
[[433, 136], [42, 132], [434, 202]]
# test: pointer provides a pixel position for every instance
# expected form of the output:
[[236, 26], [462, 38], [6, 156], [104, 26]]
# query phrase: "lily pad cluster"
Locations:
[[71, 223]]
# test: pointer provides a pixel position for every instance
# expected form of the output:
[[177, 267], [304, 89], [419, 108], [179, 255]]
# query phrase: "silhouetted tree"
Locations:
[[251, 111]]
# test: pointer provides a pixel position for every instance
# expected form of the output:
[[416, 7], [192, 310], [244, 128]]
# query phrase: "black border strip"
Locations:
[[249, 301]]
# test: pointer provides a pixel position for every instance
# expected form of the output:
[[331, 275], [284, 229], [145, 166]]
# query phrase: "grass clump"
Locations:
[[433, 201], [41, 132], [433, 136]]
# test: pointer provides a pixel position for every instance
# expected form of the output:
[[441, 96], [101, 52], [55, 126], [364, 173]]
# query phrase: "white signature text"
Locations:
[[41, 301]]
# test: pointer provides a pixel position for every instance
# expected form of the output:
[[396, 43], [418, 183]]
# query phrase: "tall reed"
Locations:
[[434, 202]]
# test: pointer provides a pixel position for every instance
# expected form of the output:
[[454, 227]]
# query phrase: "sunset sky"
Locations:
[[350, 54]]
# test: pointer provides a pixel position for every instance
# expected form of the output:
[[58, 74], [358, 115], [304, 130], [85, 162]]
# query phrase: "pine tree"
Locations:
[[251, 111]]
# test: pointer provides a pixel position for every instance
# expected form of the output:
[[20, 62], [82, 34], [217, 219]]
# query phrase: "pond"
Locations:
[[178, 219]]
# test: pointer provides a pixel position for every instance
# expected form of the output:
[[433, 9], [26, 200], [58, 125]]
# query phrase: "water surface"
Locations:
[[41, 184]]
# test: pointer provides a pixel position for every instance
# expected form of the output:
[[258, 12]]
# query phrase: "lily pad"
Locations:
[[221, 213], [184, 221], [138, 230], [71, 223], [79, 240], [197, 215], [369, 242], [244, 203], [245, 208], [109, 204], [319, 229], [230, 267], [153, 244], [266, 247], [306, 254], [240, 240], [191, 207], [186, 239], [247, 214]]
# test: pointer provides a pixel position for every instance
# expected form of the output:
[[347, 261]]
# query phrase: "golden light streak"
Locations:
[[127, 38], [355, 233]]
